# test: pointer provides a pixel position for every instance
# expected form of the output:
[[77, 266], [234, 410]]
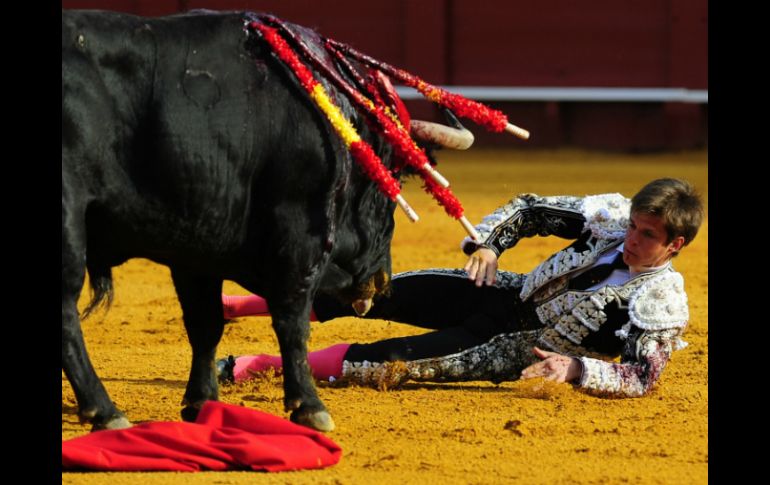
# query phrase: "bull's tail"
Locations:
[[101, 289]]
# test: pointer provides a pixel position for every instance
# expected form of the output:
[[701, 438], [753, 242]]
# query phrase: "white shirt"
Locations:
[[618, 276]]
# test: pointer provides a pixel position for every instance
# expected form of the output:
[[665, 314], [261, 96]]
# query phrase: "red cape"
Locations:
[[224, 437]]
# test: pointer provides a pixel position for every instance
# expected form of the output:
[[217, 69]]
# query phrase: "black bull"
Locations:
[[185, 142]]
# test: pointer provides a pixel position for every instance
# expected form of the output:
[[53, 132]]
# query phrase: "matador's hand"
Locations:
[[554, 367], [482, 266]]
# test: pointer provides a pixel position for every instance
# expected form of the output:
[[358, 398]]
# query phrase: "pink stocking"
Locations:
[[324, 363], [248, 305]]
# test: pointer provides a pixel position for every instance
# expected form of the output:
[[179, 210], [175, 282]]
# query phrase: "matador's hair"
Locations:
[[676, 202]]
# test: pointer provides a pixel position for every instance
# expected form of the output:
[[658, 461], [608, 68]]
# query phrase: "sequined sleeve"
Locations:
[[529, 215], [644, 357]]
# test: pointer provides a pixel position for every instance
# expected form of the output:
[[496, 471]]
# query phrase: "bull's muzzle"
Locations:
[[376, 285], [362, 307]]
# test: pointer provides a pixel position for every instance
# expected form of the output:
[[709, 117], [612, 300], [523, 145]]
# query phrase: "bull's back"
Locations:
[[186, 142]]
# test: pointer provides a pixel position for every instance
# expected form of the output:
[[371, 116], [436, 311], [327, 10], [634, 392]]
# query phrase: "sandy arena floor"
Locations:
[[523, 432]]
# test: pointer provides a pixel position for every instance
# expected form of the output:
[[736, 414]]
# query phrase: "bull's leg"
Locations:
[[94, 404], [292, 328], [200, 298]]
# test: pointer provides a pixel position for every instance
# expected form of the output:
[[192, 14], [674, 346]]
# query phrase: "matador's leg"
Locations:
[[500, 359]]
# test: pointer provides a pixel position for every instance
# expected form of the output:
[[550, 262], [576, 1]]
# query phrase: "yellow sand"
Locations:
[[523, 432]]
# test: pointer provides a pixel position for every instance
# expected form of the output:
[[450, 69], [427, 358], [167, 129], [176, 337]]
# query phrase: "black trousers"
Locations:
[[446, 301]]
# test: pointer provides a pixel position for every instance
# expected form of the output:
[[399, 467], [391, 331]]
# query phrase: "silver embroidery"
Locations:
[[606, 215], [552, 340], [500, 359], [564, 263], [645, 355], [660, 303], [504, 228], [573, 313]]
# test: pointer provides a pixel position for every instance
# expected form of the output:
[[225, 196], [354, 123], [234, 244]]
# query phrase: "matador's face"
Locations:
[[645, 243]]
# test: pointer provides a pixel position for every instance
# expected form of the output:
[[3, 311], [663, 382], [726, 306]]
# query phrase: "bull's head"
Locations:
[[341, 277]]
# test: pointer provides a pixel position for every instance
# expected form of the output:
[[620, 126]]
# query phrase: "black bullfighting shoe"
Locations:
[[225, 369]]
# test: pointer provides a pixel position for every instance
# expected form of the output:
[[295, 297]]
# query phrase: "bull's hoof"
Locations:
[[318, 420], [117, 421], [190, 413]]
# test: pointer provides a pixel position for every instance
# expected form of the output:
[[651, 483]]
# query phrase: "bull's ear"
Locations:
[[451, 119], [430, 153]]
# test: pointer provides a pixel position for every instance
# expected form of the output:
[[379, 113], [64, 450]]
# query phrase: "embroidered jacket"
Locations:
[[641, 320]]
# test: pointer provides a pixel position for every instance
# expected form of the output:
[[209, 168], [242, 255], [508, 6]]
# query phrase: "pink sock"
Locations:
[[327, 362], [248, 305], [248, 365], [324, 363], [241, 306]]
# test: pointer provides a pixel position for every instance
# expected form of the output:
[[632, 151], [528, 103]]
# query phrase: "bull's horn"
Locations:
[[457, 139]]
